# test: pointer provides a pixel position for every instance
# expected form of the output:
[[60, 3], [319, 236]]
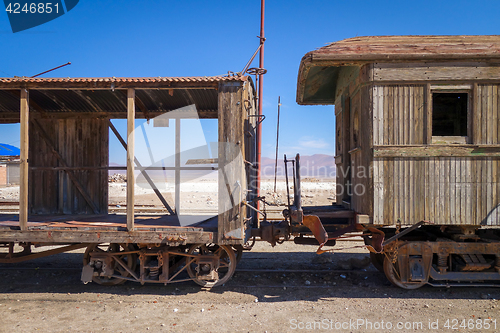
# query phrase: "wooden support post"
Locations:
[[130, 158], [23, 188], [177, 166], [428, 115], [232, 178]]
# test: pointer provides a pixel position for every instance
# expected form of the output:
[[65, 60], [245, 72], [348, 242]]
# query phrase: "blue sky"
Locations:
[[198, 38]]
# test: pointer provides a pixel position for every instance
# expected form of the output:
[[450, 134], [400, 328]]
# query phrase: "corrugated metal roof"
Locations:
[[119, 82], [108, 95], [375, 48]]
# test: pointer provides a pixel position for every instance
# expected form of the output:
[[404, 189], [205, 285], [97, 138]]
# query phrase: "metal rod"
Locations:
[[261, 86], [42, 254], [253, 208], [53, 69], [404, 232], [277, 141], [286, 181], [297, 200], [251, 60], [159, 168]]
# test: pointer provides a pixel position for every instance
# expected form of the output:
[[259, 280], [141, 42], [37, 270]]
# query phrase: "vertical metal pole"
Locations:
[[261, 82], [178, 166], [23, 188], [277, 141], [130, 158]]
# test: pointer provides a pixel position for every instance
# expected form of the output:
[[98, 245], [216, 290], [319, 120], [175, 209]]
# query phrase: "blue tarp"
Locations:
[[8, 150]]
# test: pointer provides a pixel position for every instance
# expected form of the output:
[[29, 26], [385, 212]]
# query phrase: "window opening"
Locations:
[[449, 114]]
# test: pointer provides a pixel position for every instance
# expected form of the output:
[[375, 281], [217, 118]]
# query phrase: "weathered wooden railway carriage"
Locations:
[[417, 139], [65, 126]]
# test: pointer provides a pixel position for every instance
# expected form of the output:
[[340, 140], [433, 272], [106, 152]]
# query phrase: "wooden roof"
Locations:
[[383, 48], [321, 69]]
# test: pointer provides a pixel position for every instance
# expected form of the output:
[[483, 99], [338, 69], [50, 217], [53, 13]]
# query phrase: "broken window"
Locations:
[[449, 114]]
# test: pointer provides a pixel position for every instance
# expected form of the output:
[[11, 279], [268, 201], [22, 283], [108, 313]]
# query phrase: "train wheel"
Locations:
[[212, 265], [129, 259], [393, 275], [378, 261]]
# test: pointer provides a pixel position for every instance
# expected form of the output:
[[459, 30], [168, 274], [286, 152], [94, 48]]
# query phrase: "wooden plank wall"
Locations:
[[82, 143], [232, 179], [486, 119], [339, 150], [353, 138], [447, 190], [361, 154], [44, 184], [434, 71], [398, 115]]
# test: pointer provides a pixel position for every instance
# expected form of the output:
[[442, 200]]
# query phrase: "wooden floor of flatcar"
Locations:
[[110, 222]]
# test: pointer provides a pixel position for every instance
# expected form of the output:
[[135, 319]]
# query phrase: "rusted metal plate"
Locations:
[[314, 224]]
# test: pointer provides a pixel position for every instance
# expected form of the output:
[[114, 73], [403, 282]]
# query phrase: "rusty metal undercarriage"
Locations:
[[208, 265], [441, 256], [411, 257]]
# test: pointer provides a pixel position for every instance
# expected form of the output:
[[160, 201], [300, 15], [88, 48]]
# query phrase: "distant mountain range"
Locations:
[[315, 166]]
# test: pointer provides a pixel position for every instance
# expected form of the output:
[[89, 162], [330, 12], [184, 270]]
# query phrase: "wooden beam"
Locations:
[[70, 173], [428, 114], [130, 158], [202, 161], [170, 235], [388, 71], [14, 116], [474, 126], [426, 151], [24, 167], [33, 105]]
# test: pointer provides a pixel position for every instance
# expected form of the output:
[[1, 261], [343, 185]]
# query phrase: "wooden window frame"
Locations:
[[446, 140]]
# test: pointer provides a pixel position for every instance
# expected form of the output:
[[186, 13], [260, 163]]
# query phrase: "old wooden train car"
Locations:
[[417, 157], [65, 128], [417, 150]]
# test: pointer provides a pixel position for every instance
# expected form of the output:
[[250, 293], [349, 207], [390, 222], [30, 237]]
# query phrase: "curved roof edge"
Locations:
[[316, 71]]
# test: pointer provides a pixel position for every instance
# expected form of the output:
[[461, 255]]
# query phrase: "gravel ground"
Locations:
[[270, 292]]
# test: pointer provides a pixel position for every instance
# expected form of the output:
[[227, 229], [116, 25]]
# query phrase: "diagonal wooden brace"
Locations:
[[146, 176]]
